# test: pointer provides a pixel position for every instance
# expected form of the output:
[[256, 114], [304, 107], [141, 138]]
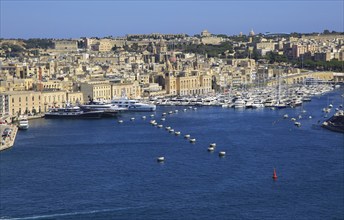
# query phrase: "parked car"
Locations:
[[7, 132]]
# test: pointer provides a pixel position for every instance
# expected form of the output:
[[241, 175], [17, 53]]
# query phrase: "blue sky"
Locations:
[[73, 19]]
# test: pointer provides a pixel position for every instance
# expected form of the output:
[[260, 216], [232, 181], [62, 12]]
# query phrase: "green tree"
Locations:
[[134, 47], [38, 43], [326, 32]]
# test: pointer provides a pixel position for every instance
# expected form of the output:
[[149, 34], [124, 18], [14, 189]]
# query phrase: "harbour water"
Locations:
[[102, 169]]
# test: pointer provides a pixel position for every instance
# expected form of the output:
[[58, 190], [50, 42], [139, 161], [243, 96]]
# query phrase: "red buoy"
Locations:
[[274, 175]]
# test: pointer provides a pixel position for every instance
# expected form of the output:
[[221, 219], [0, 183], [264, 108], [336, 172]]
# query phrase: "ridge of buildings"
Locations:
[[145, 65]]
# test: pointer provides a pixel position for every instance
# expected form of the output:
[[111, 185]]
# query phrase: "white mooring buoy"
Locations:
[[222, 153], [161, 159], [211, 149], [192, 140]]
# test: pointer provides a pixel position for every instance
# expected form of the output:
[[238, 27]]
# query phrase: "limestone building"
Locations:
[[16, 103], [131, 90], [188, 83], [53, 99], [96, 90], [65, 45], [75, 98]]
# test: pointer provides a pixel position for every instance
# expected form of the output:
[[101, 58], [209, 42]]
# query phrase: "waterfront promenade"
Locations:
[[8, 141]]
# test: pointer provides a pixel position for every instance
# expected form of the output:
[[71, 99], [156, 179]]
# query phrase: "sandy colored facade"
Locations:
[[22, 102], [188, 83], [75, 98], [66, 45], [301, 77], [53, 99], [130, 90], [96, 90]]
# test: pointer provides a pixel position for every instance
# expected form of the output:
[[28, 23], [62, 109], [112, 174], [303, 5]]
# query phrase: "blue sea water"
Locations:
[[100, 169]]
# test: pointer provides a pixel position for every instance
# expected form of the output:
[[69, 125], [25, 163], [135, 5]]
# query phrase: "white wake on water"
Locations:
[[70, 213]]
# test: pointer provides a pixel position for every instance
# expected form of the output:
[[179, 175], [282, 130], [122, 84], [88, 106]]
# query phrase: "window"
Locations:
[[19, 99]]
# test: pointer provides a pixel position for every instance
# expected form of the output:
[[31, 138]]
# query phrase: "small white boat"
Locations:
[[23, 123], [212, 145], [187, 136], [177, 133], [192, 140], [120, 121], [239, 103]]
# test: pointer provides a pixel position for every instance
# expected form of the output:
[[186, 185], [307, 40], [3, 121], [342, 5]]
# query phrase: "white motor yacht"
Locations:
[[257, 104], [133, 105], [23, 123], [270, 103], [239, 103]]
